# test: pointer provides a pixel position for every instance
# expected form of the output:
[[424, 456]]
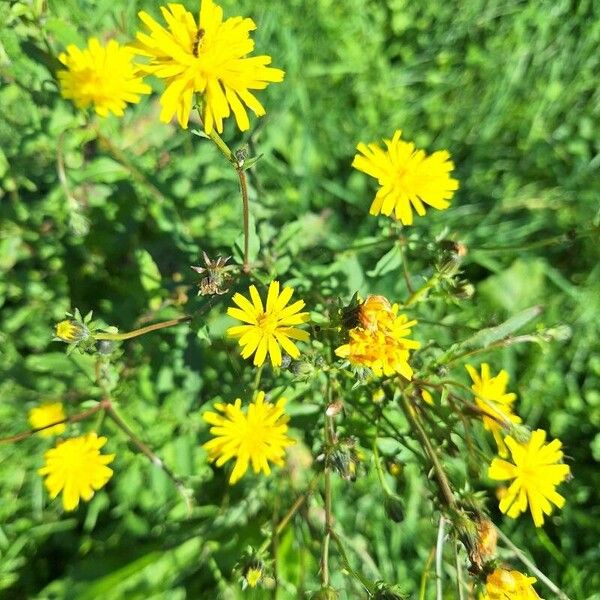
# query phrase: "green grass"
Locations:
[[509, 88]]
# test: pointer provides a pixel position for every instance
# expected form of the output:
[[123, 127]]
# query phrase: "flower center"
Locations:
[[267, 322]]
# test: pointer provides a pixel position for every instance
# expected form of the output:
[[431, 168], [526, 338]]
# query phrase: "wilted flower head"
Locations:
[[217, 275], [208, 57], [408, 178], [101, 76]]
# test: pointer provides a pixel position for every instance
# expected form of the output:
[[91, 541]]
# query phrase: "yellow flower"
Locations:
[[70, 331], [46, 414], [408, 178], [102, 76], [208, 58], [427, 397], [373, 311], [509, 585], [258, 437], [491, 397], [536, 471], [383, 348], [253, 576], [76, 468], [268, 328]]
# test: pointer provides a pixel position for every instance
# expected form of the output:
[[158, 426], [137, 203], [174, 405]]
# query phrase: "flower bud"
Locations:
[[394, 508], [70, 331]]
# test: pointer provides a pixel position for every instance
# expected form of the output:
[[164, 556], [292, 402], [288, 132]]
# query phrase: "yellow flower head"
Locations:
[[208, 57], [70, 331], [384, 349], [268, 327], [258, 437], [253, 576], [536, 471], [373, 311], [46, 414], [102, 76], [491, 397], [509, 585], [408, 178], [76, 468]]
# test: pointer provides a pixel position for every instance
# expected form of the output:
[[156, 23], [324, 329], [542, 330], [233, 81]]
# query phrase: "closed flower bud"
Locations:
[[483, 546], [70, 331], [326, 593], [384, 591], [394, 508]]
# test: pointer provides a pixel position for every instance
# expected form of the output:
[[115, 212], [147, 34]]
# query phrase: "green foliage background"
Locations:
[[111, 222]]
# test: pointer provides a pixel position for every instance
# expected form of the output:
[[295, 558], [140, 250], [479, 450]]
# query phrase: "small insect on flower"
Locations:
[[208, 58], [408, 178], [536, 472], [46, 414], [268, 327], [101, 76], [256, 437], [502, 584], [76, 468]]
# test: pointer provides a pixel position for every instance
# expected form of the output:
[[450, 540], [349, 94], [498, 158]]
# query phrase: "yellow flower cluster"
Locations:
[[537, 468], [380, 342]]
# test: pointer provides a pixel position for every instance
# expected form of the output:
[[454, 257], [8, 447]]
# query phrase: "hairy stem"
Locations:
[[142, 330], [440, 474], [147, 451], [72, 419], [439, 552]]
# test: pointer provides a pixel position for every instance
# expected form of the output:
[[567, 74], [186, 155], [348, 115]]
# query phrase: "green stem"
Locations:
[[368, 585], [142, 330], [422, 291], [238, 165], [379, 470], [440, 474], [531, 566], [147, 451], [328, 495], [292, 511], [72, 419]]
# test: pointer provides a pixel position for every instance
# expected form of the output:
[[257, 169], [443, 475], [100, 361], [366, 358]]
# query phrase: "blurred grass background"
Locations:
[[109, 217]]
